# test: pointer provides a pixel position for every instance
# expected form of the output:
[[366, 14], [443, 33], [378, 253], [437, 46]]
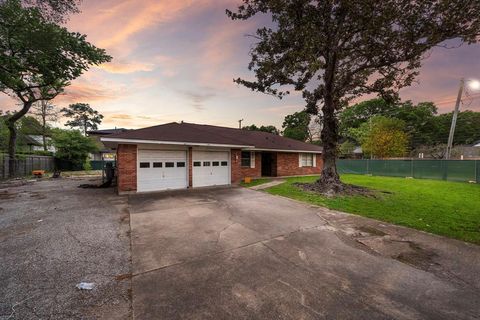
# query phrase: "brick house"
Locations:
[[185, 155]]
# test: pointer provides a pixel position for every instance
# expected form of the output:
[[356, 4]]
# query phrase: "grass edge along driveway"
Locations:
[[445, 208]]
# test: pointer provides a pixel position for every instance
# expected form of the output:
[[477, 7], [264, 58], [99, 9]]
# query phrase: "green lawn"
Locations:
[[450, 209], [255, 182]]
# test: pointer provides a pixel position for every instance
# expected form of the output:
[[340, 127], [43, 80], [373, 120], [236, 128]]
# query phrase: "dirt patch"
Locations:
[[36, 195], [124, 276], [15, 183], [417, 257], [16, 230], [371, 231], [344, 190], [5, 195]]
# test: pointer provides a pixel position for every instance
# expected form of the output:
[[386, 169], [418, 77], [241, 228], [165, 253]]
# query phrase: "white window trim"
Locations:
[[252, 159], [301, 156]]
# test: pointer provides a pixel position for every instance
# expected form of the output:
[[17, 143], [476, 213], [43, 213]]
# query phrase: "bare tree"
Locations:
[[45, 112]]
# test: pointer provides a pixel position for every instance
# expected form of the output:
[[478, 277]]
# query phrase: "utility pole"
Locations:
[[454, 120], [240, 124]]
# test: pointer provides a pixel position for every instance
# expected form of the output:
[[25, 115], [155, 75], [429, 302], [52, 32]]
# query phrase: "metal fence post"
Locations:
[[476, 172], [411, 167]]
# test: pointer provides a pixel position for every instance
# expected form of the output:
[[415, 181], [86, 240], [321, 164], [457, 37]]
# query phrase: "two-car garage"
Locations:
[[168, 169]]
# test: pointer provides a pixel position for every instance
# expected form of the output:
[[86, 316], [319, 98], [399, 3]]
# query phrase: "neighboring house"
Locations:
[[38, 146], [104, 153], [476, 144], [26, 143], [185, 155]]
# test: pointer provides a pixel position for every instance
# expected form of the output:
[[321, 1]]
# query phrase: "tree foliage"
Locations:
[[270, 129], [467, 129], [296, 126], [383, 137], [72, 146], [346, 148], [354, 116], [422, 123], [54, 10], [38, 58], [82, 116], [336, 51]]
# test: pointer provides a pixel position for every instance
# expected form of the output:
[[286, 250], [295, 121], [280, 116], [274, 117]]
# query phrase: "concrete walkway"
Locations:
[[267, 185], [235, 253]]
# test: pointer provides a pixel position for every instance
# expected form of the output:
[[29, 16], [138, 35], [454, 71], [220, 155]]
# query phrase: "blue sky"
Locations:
[[175, 60]]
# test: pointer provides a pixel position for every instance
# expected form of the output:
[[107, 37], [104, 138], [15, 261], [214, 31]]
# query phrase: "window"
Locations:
[[144, 164], [215, 163], [169, 164], [180, 164], [306, 159], [197, 163], [224, 163], [206, 163], [157, 164], [246, 159]]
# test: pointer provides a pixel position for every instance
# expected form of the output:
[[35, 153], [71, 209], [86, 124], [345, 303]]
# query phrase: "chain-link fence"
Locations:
[[452, 170], [25, 164]]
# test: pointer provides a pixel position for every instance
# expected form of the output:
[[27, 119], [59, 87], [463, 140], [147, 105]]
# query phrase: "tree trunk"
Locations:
[[12, 141], [329, 178], [329, 181], [44, 125], [12, 148]]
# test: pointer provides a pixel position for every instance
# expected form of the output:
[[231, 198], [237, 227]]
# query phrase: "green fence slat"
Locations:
[[452, 170]]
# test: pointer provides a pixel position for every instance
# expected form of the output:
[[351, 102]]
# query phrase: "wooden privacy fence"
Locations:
[[452, 170], [25, 164]]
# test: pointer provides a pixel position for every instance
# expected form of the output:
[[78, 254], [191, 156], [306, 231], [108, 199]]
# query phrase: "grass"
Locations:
[[450, 209], [255, 182]]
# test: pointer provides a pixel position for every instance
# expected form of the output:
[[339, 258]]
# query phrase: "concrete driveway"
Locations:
[[241, 254]]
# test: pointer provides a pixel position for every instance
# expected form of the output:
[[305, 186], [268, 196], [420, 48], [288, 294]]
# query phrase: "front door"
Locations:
[[267, 164]]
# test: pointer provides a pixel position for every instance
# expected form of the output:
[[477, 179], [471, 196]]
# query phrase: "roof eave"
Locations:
[[178, 143], [283, 150]]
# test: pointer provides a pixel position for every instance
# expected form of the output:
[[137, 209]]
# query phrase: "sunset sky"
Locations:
[[175, 60]]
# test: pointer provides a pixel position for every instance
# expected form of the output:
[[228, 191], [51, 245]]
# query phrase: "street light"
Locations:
[[472, 84]]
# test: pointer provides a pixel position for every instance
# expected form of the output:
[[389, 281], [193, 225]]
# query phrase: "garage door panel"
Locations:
[[211, 168], [162, 170]]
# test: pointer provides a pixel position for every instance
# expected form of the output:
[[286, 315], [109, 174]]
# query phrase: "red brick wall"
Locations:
[[235, 165], [253, 172], [190, 167], [287, 165], [127, 167]]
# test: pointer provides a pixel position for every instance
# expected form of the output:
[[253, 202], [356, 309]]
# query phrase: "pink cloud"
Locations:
[[124, 67]]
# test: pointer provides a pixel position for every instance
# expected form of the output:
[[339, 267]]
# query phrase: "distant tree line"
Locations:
[[385, 129], [411, 127], [299, 126], [71, 145]]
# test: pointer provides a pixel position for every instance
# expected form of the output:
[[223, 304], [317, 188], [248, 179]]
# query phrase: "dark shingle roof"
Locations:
[[197, 133], [106, 131]]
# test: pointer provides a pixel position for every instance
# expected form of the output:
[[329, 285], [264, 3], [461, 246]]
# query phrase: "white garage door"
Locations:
[[161, 170], [211, 168]]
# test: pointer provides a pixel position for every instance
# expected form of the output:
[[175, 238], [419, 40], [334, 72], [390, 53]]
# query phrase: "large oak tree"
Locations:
[[337, 50], [38, 59]]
